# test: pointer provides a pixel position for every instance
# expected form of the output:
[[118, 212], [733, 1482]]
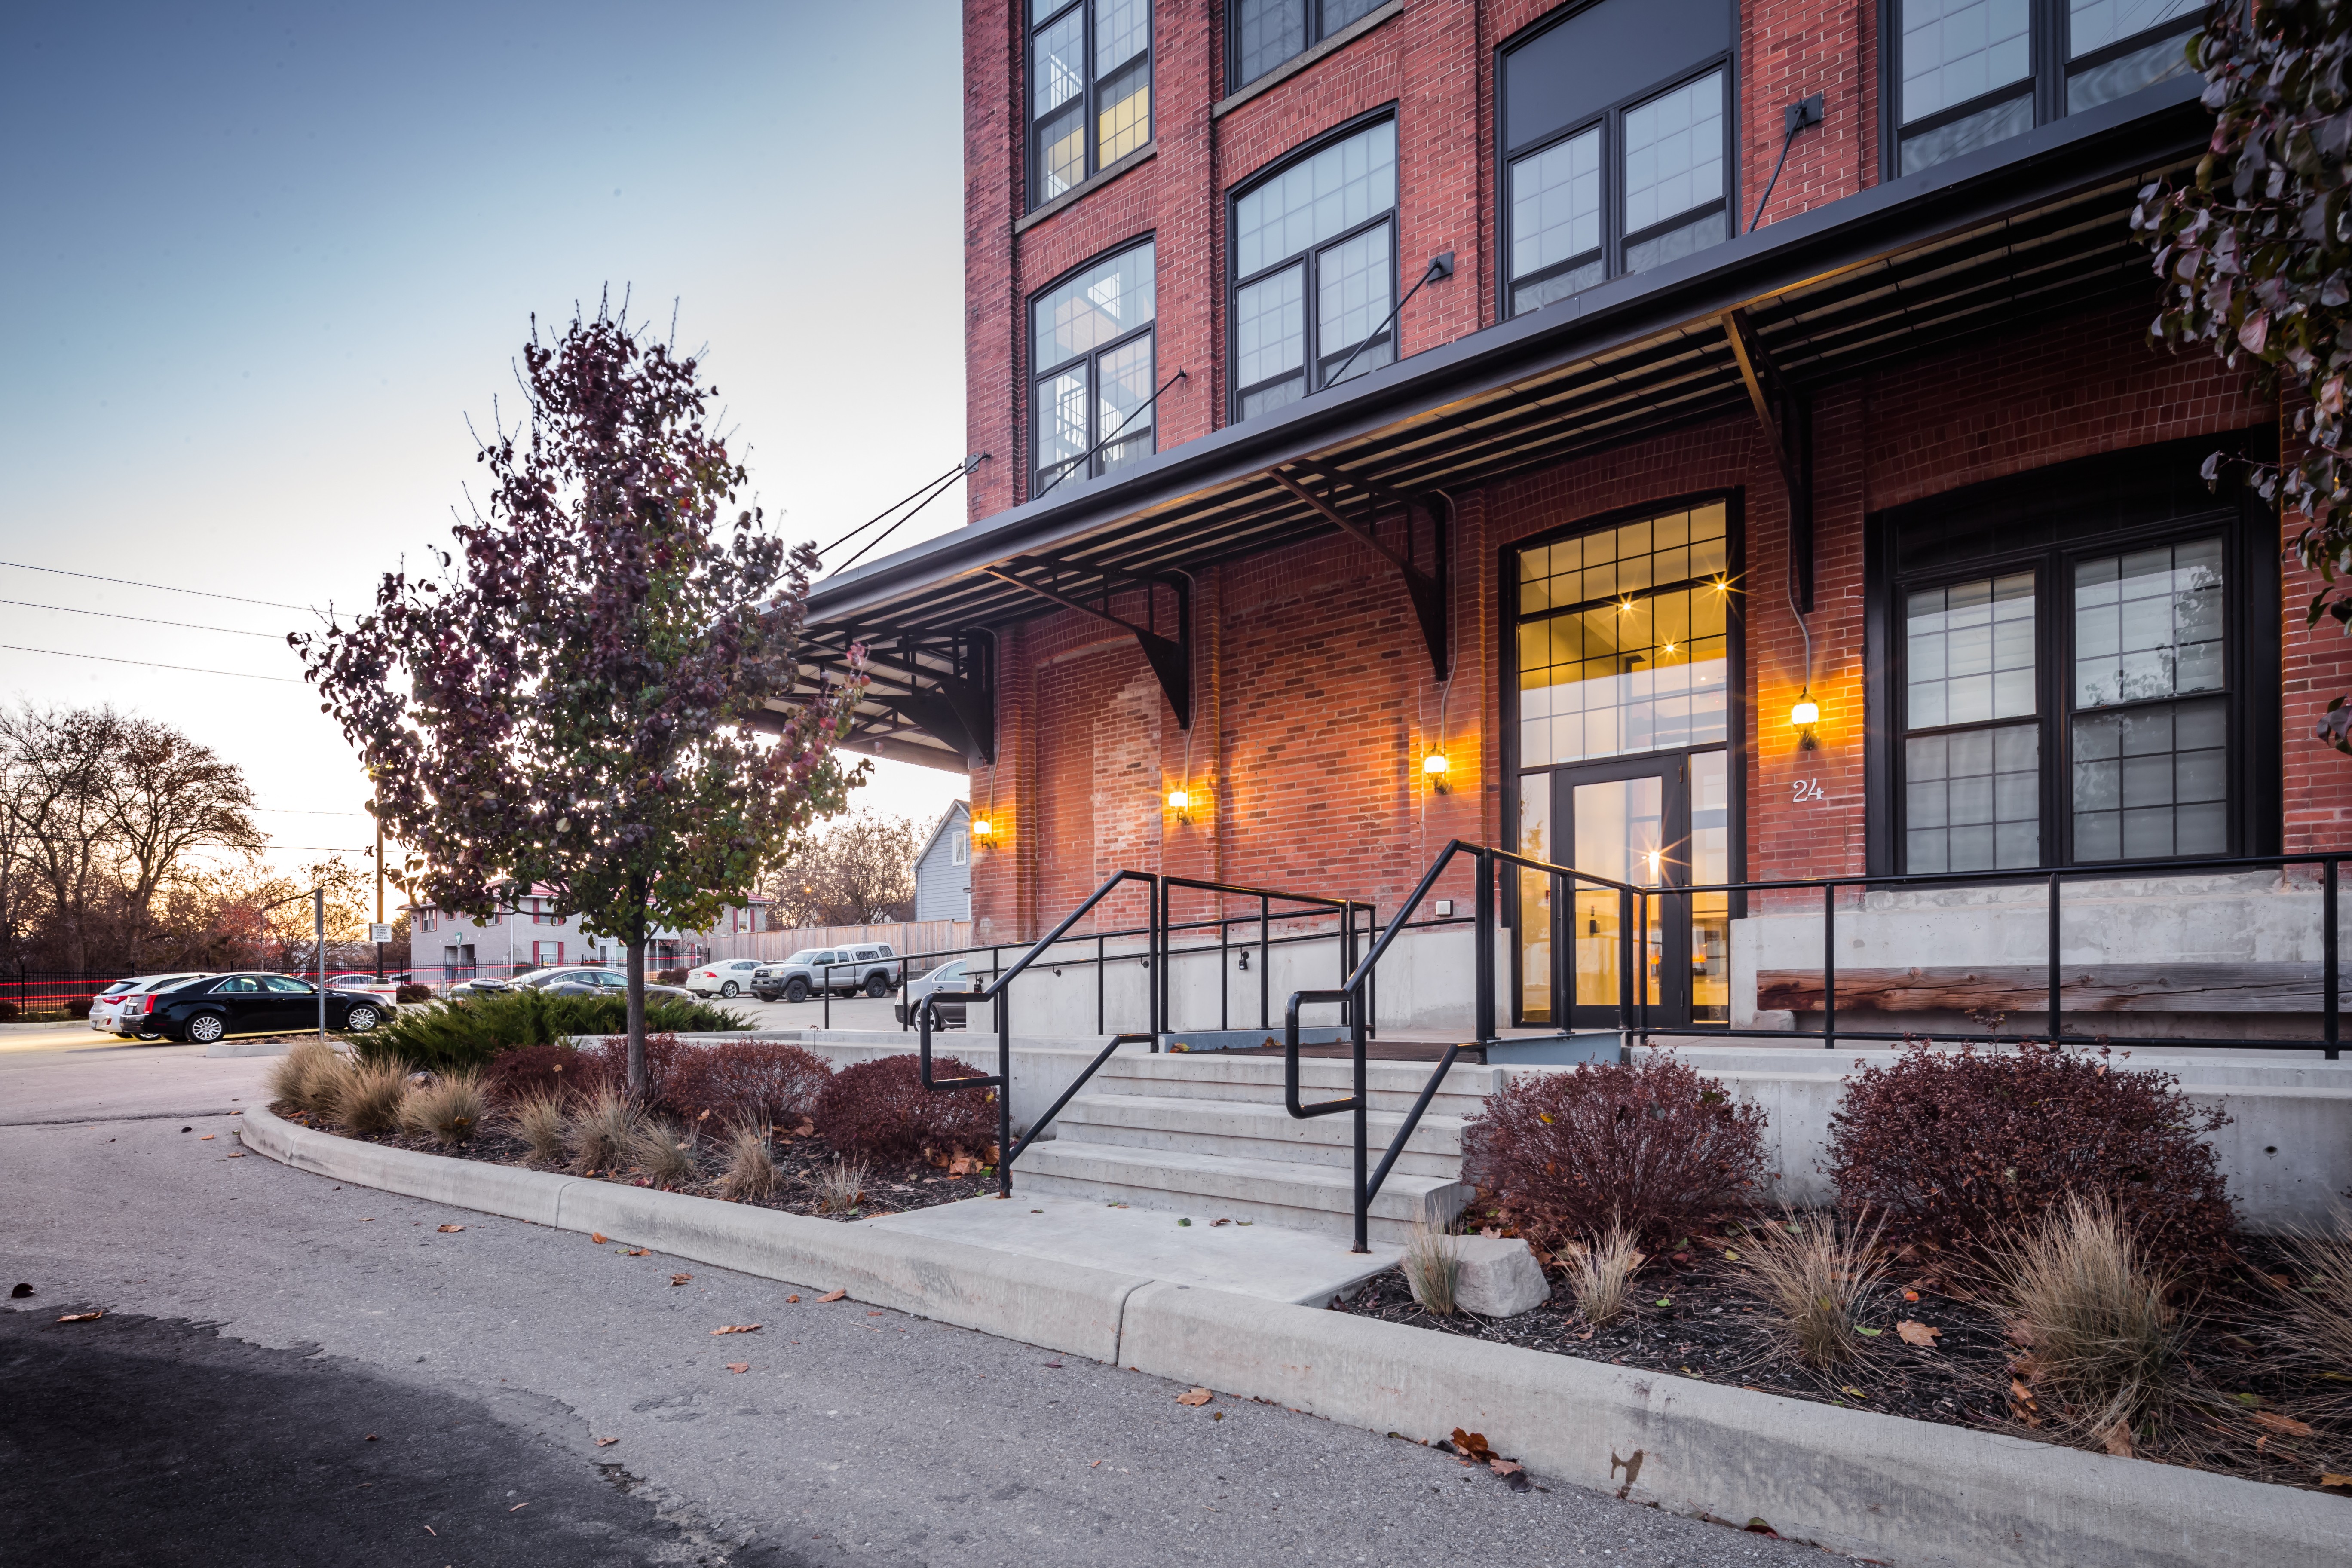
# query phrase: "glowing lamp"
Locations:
[[982, 828], [1434, 765], [1178, 800], [1806, 713]]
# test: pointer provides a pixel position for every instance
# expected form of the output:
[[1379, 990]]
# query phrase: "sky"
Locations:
[[264, 262]]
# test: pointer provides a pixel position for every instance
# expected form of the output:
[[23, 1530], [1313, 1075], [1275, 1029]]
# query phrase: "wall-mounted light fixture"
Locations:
[[1179, 801], [1434, 768], [1804, 716], [983, 832]]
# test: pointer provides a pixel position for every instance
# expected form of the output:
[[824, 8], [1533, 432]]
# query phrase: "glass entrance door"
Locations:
[[1656, 822]]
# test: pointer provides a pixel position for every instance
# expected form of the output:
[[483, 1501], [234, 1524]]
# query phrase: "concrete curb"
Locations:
[[1903, 1492], [1060, 1306]]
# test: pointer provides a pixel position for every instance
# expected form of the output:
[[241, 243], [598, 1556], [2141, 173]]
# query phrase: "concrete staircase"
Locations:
[[1206, 1136]]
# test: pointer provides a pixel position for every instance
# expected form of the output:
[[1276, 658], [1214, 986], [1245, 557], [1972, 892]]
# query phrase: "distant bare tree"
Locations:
[[59, 803], [860, 868], [168, 798]]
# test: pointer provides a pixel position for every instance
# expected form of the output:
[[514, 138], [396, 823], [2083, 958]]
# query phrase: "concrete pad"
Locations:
[[246, 1048], [1269, 1262]]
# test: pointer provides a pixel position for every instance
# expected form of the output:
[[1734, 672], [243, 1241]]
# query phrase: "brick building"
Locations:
[[1504, 420]]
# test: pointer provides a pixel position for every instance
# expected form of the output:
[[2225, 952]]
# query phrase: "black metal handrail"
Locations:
[[1345, 908]]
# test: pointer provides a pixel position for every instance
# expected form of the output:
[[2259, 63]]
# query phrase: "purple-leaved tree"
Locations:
[[2253, 251], [574, 701]]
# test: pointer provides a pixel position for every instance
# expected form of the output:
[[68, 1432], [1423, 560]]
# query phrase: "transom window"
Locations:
[[1315, 272], [1624, 643], [1091, 339], [1265, 33], [1973, 73], [1090, 89], [1601, 181]]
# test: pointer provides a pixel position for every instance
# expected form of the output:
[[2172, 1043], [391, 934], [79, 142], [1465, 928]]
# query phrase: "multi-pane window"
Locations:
[[1090, 89], [1265, 33], [2151, 776], [1091, 354], [1315, 272], [1973, 73], [1617, 130], [1623, 640], [2137, 755]]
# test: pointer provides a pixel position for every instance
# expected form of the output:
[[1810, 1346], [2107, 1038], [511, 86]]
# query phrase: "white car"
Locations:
[[111, 1012], [726, 977]]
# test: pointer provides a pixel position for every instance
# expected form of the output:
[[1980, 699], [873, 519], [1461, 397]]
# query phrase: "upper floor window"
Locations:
[[1265, 33], [1973, 73], [1601, 181], [1093, 369], [1315, 272], [1090, 89]]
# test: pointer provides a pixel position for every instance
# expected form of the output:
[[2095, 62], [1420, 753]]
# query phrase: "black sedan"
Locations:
[[219, 1006]]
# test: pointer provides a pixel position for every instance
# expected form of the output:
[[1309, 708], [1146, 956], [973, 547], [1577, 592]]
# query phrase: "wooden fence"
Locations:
[[903, 936]]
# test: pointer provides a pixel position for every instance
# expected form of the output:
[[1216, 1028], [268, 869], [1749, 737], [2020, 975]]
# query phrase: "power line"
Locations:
[[149, 620], [166, 587], [303, 811], [151, 664]]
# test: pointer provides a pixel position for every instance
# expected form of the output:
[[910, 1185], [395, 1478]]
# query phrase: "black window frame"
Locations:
[[1318, 31], [1095, 464], [2249, 531], [1310, 325], [1609, 119], [2045, 82], [1089, 110]]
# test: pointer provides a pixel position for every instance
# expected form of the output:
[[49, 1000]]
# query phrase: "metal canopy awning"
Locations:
[[2031, 228]]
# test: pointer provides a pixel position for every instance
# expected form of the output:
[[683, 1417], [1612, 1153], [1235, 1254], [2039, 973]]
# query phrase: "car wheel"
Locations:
[[796, 989], [363, 1018], [730, 990], [877, 987], [206, 1027]]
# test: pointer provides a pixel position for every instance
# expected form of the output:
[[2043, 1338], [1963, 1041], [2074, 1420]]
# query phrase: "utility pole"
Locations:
[[319, 929], [379, 898]]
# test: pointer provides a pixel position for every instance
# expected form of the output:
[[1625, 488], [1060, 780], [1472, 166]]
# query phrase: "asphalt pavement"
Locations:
[[288, 1371]]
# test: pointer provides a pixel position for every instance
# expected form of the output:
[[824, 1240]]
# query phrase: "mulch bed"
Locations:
[[803, 1158], [1695, 1315]]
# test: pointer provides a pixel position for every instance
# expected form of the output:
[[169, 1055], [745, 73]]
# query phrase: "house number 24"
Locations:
[[1806, 789]]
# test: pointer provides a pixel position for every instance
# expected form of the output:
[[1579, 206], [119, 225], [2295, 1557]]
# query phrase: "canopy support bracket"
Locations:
[[1425, 588], [1171, 657], [1787, 418]]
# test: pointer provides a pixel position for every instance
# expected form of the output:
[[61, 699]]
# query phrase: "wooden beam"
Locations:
[[2025, 988]]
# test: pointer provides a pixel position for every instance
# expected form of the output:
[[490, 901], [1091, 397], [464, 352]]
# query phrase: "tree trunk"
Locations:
[[637, 1013]]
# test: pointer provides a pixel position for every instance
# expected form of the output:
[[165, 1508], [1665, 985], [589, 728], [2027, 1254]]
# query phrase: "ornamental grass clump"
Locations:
[[751, 1172], [306, 1078], [840, 1189], [1433, 1267], [1649, 1147], [2315, 1344], [370, 1098], [1601, 1275], [2102, 1362], [1966, 1151], [538, 1120], [1815, 1277], [450, 1109], [663, 1151], [603, 1124], [880, 1109]]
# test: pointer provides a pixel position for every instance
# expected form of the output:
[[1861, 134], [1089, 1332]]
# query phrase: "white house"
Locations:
[[943, 868]]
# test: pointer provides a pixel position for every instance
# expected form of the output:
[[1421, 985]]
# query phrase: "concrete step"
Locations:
[[1257, 1130], [1214, 1186], [1394, 1086]]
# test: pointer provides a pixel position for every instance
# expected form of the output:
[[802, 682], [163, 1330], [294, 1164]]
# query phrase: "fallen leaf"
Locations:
[[606, 1442], [2117, 1440], [1849, 1388], [81, 1317], [206, 1138], [1910, 1295], [1665, 1301], [597, 1237], [637, 1252], [1183, 1222], [789, 1300], [1730, 1255], [736, 1329], [370, 1438], [1214, 1223], [1505, 1467], [238, 1155], [2336, 1481], [1472, 1445], [451, 1229], [1096, 1466], [739, 1366], [1197, 1396], [831, 1296], [2285, 1426], [519, 1508], [682, 1278], [1490, 1233], [1915, 1334], [1868, 1333], [433, 1532], [875, 1313]]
